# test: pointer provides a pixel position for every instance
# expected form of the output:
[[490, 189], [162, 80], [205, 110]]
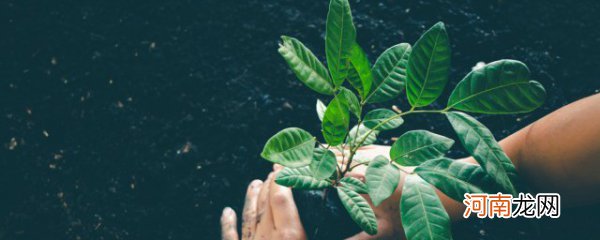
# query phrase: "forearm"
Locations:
[[558, 153]]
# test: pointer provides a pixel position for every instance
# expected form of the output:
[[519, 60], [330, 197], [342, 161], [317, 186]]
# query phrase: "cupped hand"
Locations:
[[269, 213]]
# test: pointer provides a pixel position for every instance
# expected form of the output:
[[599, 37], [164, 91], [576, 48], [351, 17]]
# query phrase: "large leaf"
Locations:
[[359, 74], [481, 144], [383, 118], [423, 215], [290, 147], [323, 163], [340, 35], [300, 178], [320, 109], [382, 179], [354, 184], [417, 146], [428, 67], [359, 209], [358, 133], [336, 121], [455, 178], [389, 73], [501, 87], [305, 65], [352, 100]]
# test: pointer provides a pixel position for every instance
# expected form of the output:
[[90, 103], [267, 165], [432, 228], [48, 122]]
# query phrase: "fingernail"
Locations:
[[227, 211], [277, 167]]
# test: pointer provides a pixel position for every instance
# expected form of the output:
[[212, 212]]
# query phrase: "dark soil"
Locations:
[[142, 120]]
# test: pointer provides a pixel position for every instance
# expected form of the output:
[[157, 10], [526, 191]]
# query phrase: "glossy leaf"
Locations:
[[455, 178], [359, 209], [354, 137], [354, 184], [320, 109], [305, 65], [380, 118], [423, 215], [359, 75], [300, 178], [481, 144], [417, 146], [428, 67], [389, 73], [340, 36], [382, 179], [352, 100], [291, 147], [323, 163], [336, 121], [501, 87]]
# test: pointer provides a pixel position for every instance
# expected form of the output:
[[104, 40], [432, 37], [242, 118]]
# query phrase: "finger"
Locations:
[[250, 212], [285, 213], [277, 167], [264, 222], [228, 225]]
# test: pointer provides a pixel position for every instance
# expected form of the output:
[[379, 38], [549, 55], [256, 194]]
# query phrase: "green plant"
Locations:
[[501, 87]]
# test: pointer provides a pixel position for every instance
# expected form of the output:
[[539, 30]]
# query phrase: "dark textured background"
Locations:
[[142, 120]]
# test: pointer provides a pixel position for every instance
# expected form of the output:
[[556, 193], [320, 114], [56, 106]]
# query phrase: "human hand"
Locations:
[[269, 213], [389, 225]]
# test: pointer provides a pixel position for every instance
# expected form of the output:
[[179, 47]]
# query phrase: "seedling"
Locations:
[[500, 87]]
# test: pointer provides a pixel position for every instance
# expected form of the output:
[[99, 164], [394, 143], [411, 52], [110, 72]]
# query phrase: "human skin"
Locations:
[[559, 153]]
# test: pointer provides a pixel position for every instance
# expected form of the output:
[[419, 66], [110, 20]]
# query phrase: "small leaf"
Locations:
[[455, 178], [352, 100], [320, 109], [290, 147], [382, 116], [340, 36], [428, 67], [501, 87], [300, 178], [305, 65], [336, 121], [359, 75], [360, 135], [417, 146], [359, 210], [389, 73], [382, 179], [481, 144], [423, 215], [354, 184], [323, 163]]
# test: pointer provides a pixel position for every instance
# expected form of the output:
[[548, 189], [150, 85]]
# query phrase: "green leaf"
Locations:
[[352, 100], [336, 121], [305, 65], [382, 116], [362, 132], [300, 178], [354, 184], [455, 178], [501, 87], [290, 147], [382, 179], [428, 67], [389, 73], [323, 163], [359, 210], [340, 35], [417, 146], [359, 75], [481, 144], [320, 109], [423, 215]]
